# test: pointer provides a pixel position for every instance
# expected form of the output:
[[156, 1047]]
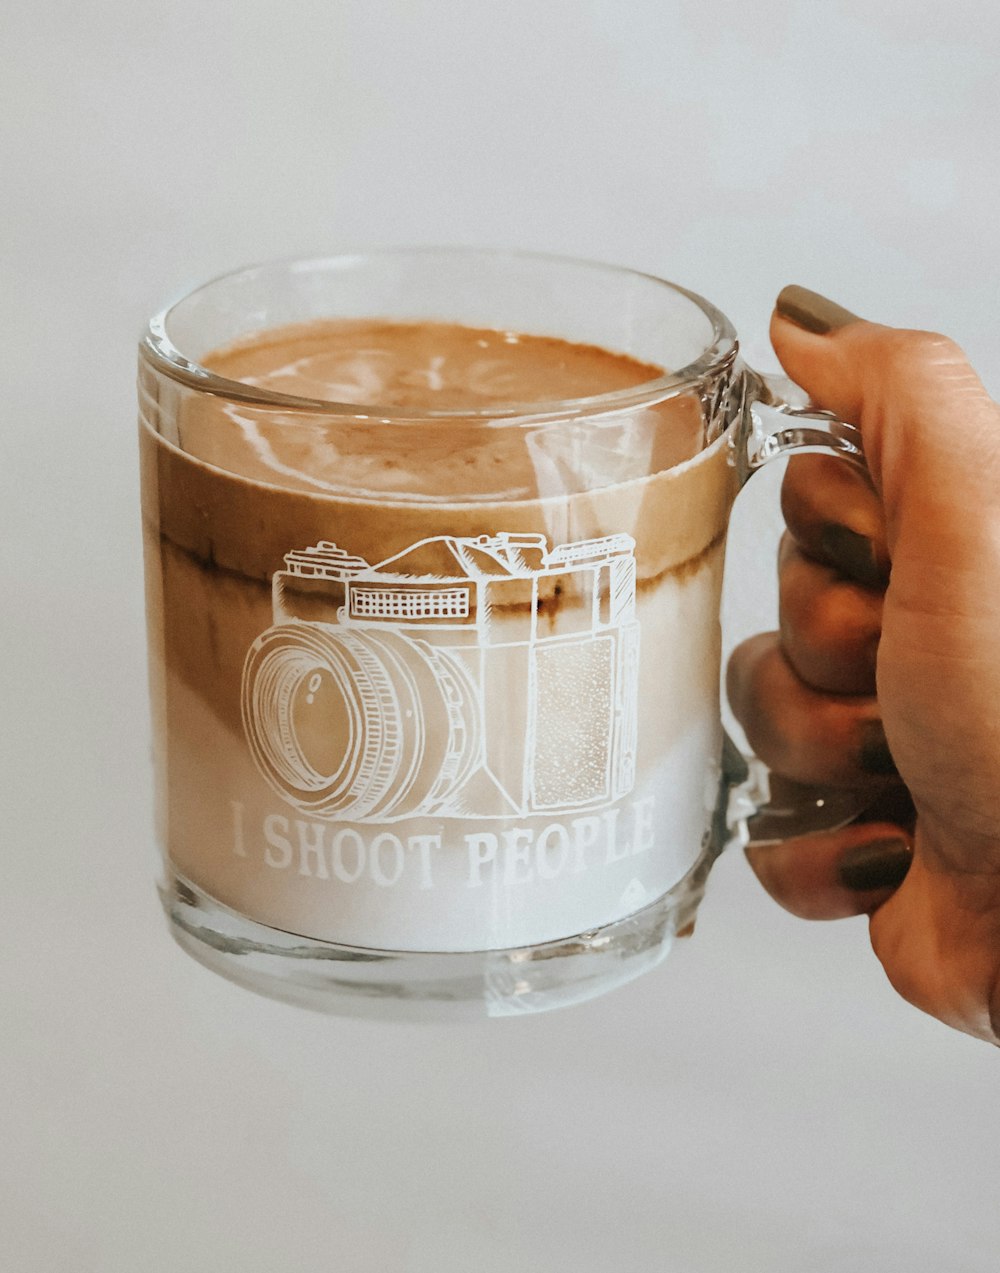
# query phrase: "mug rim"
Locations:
[[159, 349]]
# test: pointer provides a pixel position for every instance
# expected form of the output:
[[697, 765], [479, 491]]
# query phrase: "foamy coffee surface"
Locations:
[[432, 367], [427, 366]]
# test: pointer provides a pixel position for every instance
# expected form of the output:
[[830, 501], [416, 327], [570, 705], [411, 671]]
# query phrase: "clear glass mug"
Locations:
[[433, 749]]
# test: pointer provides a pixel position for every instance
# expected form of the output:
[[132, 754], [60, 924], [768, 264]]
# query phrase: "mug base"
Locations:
[[424, 986]]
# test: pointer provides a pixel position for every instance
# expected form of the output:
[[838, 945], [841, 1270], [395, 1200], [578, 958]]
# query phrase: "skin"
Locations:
[[918, 659]]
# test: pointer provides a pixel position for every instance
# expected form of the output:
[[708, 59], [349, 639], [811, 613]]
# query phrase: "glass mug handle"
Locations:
[[760, 806]]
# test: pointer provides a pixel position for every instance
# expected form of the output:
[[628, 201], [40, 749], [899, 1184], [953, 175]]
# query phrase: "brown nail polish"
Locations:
[[812, 312], [852, 554], [875, 757], [878, 864]]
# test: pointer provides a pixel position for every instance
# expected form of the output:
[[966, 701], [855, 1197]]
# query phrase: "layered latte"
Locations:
[[434, 661]]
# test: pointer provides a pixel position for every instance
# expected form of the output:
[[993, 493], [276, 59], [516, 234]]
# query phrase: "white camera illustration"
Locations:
[[479, 677]]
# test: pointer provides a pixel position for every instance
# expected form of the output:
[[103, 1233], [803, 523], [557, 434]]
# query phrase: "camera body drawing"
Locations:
[[477, 677]]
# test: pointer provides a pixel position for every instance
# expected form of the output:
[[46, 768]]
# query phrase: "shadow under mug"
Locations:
[[435, 694]]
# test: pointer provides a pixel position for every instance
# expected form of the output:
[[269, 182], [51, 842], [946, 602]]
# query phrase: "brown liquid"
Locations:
[[427, 367]]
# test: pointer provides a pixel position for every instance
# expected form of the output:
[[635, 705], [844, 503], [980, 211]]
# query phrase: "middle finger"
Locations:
[[830, 626]]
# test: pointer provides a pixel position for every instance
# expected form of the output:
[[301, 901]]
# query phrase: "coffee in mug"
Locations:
[[434, 548]]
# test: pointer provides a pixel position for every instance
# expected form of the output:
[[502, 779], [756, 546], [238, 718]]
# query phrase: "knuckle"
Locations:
[[787, 552], [756, 707], [812, 603], [905, 351], [935, 345], [805, 475], [887, 943], [742, 675], [798, 598]]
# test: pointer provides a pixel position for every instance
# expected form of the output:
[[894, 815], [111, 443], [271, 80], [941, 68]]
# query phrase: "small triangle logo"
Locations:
[[634, 895]]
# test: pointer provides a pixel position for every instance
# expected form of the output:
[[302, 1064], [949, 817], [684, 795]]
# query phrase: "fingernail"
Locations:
[[812, 312], [875, 757], [878, 864], [852, 553]]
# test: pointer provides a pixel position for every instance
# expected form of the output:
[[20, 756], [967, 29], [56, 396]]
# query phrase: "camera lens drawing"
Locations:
[[475, 677]]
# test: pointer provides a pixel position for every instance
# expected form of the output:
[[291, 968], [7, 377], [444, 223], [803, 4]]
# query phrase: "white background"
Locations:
[[763, 1101]]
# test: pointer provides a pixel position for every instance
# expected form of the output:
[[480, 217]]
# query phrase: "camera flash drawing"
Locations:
[[485, 677]]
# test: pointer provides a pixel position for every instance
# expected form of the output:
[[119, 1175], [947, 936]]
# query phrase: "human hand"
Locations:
[[890, 621]]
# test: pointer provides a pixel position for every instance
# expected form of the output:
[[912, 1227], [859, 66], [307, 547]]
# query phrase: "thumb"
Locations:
[[931, 432]]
